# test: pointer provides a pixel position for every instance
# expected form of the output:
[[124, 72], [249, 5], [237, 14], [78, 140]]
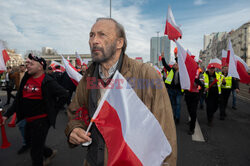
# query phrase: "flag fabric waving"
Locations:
[[79, 60], [4, 57], [224, 58], [187, 68], [215, 62], [131, 140], [53, 64], [237, 67], [172, 29], [72, 72]]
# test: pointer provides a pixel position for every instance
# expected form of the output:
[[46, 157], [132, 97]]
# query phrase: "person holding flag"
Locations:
[[108, 43], [172, 83], [212, 84]]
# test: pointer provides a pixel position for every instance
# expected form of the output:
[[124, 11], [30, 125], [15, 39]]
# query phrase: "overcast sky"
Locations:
[[65, 24]]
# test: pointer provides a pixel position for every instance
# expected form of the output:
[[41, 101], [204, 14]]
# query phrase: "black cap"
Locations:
[[38, 59]]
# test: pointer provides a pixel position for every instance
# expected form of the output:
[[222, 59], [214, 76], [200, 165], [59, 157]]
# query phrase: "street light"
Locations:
[[157, 48], [110, 9]]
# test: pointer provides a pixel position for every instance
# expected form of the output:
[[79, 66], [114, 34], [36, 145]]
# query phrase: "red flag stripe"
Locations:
[[119, 153], [192, 67], [172, 32], [244, 77], [5, 56]]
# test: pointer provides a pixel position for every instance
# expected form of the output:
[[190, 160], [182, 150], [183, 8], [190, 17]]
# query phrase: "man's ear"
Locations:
[[119, 43]]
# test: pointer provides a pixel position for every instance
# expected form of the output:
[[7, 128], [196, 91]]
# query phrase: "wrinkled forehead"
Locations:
[[107, 26]]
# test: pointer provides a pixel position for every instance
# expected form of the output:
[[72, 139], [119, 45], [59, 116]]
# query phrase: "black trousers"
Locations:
[[9, 94], [212, 102], [192, 100], [35, 134], [225, 93]]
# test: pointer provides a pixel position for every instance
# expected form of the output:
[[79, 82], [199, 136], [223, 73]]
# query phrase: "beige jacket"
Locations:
[[156, 99]]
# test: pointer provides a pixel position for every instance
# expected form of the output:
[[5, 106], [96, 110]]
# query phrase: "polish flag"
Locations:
[[224, 58], [172, 29], [71, 71], [4, 57], [131, 132], [79, 60], [237, 67], [215, 63], [187, 68], [53, 64]]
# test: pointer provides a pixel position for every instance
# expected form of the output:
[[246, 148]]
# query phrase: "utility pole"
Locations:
[[110, 9], [157, 48]]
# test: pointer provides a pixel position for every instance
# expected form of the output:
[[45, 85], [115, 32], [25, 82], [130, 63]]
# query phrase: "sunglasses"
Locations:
[[35, 58]]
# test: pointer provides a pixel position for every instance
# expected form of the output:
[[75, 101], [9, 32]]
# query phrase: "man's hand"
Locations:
[[237, 90], [2, 121], [78, 136], [206, 89]]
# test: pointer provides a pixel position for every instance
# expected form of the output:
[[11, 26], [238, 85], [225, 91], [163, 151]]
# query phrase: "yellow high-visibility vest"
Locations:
[[206, 81], [170, 77]]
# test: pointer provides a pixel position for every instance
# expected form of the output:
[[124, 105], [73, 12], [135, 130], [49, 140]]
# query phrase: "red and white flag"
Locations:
[[4, 57], [172, 29], [53, 64], [237, 67], [71, 71], [215, 62], [79, 60], [131, 132], [224, 58], [187, 68]]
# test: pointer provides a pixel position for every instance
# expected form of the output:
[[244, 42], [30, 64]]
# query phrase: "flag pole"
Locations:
[[89, 142]]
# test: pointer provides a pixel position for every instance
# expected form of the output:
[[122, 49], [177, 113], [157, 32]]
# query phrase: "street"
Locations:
[[226, 143]]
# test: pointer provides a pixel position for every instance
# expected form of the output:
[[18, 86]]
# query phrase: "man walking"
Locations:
[[212, 84], [37, 101], [108, 43]]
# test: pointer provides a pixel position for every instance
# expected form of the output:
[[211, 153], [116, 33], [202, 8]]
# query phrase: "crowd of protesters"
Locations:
[[42, 91]]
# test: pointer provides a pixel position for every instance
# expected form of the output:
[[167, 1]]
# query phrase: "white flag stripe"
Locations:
[[224, 54], [232, 69], [142, 132], [215, 60], [71, 72], [171, 20], [2, 64], [184, 77]]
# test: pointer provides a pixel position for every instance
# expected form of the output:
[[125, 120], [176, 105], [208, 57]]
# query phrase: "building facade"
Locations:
[[157, 46], [49, 54], [15, 59], [216, 42]]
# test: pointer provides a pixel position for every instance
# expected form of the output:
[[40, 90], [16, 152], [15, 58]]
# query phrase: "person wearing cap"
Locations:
[[212, 84], [173, 85], [37, 101]]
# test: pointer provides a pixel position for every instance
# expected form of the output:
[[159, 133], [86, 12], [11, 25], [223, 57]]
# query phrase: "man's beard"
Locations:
[[111, 49]]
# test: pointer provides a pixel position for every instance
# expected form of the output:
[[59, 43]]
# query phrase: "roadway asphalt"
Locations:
[[226, 143]]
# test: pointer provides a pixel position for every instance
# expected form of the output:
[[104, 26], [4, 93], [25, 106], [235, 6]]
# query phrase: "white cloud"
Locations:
[[65, 25], [199, 2]]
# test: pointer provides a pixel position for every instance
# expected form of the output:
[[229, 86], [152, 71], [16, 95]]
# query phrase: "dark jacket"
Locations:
[[168, 68], [53, 96]]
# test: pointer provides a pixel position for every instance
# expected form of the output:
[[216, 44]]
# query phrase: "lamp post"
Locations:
[[157, 48], [110, 9]]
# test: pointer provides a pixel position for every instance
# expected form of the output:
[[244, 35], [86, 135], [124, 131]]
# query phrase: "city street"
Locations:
[[226, 143]]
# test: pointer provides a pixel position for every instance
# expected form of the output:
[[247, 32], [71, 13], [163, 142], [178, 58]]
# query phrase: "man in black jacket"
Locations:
[[37, 101], [173, 85]]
